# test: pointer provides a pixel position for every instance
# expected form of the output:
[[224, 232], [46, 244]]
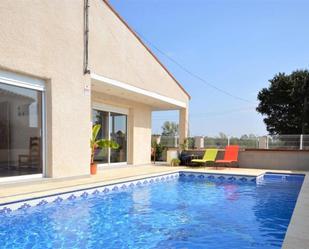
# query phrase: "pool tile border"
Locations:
[[218, 177], [84, 193], [123, 186]]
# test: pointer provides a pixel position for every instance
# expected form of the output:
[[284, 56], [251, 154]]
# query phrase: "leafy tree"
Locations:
[[285, 103], [188, 143], [157, 151], [222, 135], [169, 129]]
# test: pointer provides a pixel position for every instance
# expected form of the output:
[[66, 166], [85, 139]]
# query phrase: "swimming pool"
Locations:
[[185, 210]]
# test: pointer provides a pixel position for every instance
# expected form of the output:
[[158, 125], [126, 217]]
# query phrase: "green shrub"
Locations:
[[175, 162]]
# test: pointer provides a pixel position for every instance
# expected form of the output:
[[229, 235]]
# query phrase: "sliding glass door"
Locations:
[[118, 133], [20, 131], [101, 117], [114, 127]]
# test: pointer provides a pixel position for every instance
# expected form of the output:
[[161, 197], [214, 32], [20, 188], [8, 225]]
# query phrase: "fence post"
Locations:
[[301, 141], [267, 142], [175, 142], [199, 142], [228, 140]]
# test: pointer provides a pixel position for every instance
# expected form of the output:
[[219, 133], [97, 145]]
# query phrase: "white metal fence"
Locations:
[[288, 142]]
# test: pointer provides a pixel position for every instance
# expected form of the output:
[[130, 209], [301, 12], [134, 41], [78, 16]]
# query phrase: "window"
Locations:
[[20, 131], [114, 127]]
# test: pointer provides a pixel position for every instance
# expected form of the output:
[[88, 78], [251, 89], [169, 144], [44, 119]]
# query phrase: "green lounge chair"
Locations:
[[209, 156]]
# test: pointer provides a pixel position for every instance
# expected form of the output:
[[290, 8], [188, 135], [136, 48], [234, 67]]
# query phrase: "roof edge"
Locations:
[[146, 47]]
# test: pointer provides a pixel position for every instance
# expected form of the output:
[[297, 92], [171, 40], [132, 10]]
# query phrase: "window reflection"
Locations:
[[114, 127], [101, 117], [20, 131], [118, 133]]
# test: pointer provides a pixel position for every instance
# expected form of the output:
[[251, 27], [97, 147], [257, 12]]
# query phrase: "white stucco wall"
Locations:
[[116, 53], [44, 39]]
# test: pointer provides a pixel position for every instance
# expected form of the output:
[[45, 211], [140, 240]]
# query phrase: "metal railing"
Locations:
[[305, 142], [292, 142], [288, 142], [170, 141]]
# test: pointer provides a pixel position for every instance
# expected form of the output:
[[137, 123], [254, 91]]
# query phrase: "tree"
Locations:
[[169, 129], [222, 135], [285, 103]]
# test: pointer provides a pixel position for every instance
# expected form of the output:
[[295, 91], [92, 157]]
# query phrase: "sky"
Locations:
[[234, 45]]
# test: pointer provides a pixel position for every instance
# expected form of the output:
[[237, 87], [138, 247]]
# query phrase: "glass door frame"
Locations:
[[113, 109], [27, 82]]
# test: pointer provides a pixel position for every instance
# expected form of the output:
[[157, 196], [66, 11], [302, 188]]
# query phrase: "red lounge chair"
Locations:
[[230, 155]]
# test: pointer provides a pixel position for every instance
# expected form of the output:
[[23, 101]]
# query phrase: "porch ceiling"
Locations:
[[129, 92]]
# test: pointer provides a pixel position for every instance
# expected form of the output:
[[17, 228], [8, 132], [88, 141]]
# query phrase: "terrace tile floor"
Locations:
[[39, 187]]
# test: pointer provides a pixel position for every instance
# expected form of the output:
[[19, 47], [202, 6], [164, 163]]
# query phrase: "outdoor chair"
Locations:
[[209, 156], [230, 155], [33, 158]]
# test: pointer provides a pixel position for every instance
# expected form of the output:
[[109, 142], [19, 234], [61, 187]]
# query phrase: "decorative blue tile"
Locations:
[[72, 197], [24, 206], [192, 176], [151, 181], [145, 182], [131, 185], [5, 210], [123, 186], [106, 190], [253, 180], [42, 203], [211, 177], [221, 178], [201, 176], [243, 179], [97, 192], [58, 200], [232, 178], [115, 188], [84, 195], [157, 179], [138, 183], [182, 175]]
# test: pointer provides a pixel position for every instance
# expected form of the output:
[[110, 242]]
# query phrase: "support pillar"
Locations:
[[183, 124]]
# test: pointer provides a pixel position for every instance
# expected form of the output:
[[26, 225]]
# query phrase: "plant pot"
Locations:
[[93, 169]]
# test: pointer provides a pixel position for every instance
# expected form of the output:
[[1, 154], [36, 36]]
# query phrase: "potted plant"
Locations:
[[175, 162], [98, 144]]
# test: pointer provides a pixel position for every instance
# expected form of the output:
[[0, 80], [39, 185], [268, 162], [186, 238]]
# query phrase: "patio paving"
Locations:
[[40, 187]]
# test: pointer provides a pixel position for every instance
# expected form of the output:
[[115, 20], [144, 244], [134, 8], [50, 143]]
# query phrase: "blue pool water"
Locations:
[[181, 213]]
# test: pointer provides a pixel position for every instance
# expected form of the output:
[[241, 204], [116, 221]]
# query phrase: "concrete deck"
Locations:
[[14, 191]]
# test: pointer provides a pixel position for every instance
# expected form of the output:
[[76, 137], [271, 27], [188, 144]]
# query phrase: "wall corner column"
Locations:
[[183, 124]]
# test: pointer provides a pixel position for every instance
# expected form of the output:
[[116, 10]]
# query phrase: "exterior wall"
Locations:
[[267, 159], [139, 126], [271, 159], [135, 65], [45, 39]]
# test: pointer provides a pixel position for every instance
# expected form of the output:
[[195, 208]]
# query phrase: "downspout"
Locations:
[[86, 35]]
